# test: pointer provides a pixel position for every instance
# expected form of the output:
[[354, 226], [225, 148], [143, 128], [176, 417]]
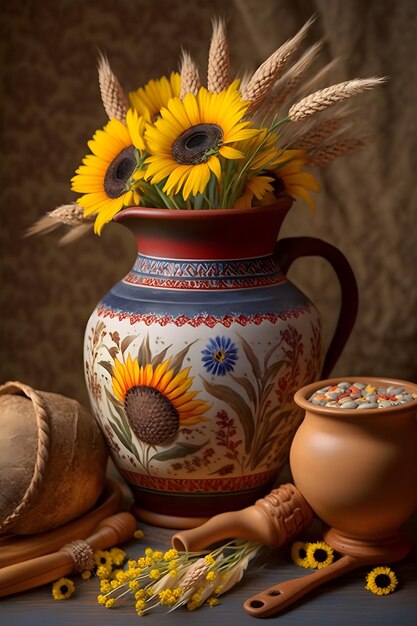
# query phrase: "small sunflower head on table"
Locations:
[[238, 142]]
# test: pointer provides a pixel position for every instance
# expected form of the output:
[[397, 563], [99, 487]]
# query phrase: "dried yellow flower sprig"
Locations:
[[173, 579]]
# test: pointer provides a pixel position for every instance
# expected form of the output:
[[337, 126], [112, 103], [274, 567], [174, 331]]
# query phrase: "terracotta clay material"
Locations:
[[52, 460], [357, 469], [273, 520]]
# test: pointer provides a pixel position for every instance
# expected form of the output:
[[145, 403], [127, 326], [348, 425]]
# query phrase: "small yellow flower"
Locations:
[[170, 554], [149, 552], [140, 604], [381, 581], [117, 555], [211, 576], [212, 601], [157, 555], [138, 534], [102, 558], [154, 574], [63, 589], [103, 571], [105, 586], [299, 554], [101, 599], [131, 563], [134, 585], [172, 564], [319, 555], [109, 603], [86, 574], [209, 559], [173, 573], [140, 594]]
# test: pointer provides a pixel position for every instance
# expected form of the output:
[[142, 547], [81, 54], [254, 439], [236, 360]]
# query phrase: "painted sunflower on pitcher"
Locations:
[[156, 399]]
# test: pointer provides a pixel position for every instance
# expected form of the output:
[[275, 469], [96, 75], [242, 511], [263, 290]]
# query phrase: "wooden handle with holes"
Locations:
[[279, 597]]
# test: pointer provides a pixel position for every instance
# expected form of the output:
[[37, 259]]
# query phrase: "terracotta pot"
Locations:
[[358, 469], [193, 358]]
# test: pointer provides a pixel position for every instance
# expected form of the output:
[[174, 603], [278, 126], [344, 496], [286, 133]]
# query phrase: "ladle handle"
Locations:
[[279, 597]]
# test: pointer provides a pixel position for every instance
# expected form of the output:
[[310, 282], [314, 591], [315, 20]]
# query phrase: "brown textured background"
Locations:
[[51, 106]]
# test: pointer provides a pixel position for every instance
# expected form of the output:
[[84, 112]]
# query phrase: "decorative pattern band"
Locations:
[[204, 319], [204, 275], [202, 485]]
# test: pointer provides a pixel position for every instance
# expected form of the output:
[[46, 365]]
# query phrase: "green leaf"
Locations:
[[126, 342], [247, 386], [238, 404], [250, 355], [107, 366], [123, 424], [181, 449]]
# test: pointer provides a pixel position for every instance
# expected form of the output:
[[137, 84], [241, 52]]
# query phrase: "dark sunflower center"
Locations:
[[320, 555], [302, 553], [219, 356], [194, 145], [382, 581], [278, 185], [64, 589], [119, 172], [152, 416]]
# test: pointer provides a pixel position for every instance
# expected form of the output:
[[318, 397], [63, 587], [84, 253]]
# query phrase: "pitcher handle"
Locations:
[[289, 249]]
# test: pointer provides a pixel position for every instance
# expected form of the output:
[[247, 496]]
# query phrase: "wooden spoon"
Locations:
[[279, 597]]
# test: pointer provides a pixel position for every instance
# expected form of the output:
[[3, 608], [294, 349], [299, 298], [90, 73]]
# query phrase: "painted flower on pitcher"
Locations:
[[157, 400], [220, 356]]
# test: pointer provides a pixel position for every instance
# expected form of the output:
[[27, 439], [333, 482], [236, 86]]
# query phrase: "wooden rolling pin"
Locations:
[[73, 557], [15, 548]]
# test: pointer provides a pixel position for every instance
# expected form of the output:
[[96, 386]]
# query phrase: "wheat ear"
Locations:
[[317, 134], [327, 153], [114, 99], [268, 73], [190, 79], [291, 79], [218, 72], [324, 98], [65, 215]]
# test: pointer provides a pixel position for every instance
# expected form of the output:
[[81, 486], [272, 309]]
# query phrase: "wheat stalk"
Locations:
[[114, 99], [324, 98], [194, 574], [317, 134], [291, 79], [218, 72], [190, 80], [327, 153], [268, 73], [65, 215]]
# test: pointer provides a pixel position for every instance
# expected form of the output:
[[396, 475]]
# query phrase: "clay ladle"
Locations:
[[279, 597]]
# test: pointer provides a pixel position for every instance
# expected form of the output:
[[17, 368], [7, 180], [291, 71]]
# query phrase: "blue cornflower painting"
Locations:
[[219, 356]]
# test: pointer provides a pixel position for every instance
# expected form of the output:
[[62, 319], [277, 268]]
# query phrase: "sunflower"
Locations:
[[109, 176], [150, 99], [319, 555], [63, 589], [299, 554], [187, 140], [381, 581], [157, 400], [219, 356], [289, 178]]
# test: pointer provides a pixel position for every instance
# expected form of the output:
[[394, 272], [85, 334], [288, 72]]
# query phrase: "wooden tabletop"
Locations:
[[342, 602]]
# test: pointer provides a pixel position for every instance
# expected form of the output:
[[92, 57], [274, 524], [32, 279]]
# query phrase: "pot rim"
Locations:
[[284, 203], [301, 396]]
